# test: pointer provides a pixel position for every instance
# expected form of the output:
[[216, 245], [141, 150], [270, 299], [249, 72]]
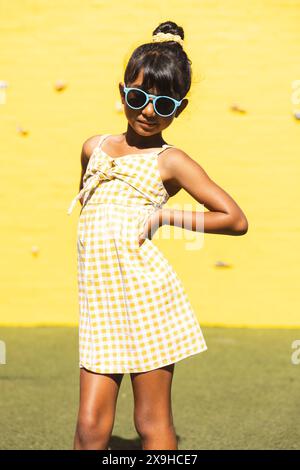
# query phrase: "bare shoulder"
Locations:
[[177, 162], [89, 145], [176, 156]]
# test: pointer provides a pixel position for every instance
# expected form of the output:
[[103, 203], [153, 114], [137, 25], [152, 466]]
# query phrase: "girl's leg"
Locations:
[[152, 408], [98, 397]]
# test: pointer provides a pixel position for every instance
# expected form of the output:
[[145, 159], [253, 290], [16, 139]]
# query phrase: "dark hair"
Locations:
[[166, 65]]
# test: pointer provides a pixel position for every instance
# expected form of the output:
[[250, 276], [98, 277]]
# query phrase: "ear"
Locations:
[[121, 84], [181, 107]]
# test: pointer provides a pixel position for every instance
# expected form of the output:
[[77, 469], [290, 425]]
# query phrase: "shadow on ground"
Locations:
[[119, 443]]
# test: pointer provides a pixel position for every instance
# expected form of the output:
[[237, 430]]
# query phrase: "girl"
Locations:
[[135, 316]]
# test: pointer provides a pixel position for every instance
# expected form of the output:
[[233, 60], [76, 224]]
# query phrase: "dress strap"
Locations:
[[165, 146], [102, 138]]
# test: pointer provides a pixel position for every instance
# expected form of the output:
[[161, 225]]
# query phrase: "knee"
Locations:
[[93, 432], [149, 424]]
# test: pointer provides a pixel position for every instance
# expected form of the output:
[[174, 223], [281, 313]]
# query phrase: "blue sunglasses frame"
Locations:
[[154, 99]]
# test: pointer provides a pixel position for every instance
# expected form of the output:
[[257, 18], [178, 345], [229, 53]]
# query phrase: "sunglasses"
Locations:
[[163, 105]]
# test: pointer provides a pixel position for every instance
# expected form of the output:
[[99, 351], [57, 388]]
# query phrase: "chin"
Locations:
[[144, 129]]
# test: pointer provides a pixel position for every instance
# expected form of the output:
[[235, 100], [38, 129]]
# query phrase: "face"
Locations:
[[138, 118]]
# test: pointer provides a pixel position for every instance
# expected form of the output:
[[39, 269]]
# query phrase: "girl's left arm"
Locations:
[[224, 216]]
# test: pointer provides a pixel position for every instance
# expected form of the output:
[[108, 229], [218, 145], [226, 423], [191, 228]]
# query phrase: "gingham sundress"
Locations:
[[134, 314]]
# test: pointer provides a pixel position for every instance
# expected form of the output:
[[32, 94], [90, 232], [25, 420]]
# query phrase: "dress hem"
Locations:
[[135, 370]]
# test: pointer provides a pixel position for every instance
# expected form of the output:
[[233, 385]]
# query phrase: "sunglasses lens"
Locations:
[[165, 106], [136, 98]]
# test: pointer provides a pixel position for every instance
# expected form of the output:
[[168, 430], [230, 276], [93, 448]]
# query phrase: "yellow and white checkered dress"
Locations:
[[134, 314]]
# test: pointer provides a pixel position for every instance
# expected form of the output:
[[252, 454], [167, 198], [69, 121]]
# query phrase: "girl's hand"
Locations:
[[153, 223]]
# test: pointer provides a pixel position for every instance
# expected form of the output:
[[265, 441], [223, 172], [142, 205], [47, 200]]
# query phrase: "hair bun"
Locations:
[[169, 27]]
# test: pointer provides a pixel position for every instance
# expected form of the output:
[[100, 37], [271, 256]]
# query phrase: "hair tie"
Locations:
[[162, 37]]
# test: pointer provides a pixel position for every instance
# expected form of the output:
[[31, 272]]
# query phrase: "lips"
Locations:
[[151, 124]]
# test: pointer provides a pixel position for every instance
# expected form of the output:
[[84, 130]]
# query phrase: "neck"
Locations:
[[140, 141]]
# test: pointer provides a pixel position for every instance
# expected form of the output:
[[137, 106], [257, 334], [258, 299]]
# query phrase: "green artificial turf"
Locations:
[[242, 393]]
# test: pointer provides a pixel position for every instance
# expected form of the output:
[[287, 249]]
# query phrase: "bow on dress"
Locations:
[[102, 170]]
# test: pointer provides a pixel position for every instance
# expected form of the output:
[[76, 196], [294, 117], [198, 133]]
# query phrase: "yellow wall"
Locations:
[[243, 52]]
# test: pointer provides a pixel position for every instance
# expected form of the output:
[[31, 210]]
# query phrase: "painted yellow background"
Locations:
[[242, 52]]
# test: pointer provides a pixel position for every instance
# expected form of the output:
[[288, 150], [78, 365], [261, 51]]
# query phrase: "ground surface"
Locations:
[[242, 393]]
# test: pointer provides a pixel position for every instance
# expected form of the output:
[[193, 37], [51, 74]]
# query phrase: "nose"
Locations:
[[148, 110]]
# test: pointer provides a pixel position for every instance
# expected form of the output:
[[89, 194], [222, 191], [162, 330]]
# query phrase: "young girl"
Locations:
[[135, 316]]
